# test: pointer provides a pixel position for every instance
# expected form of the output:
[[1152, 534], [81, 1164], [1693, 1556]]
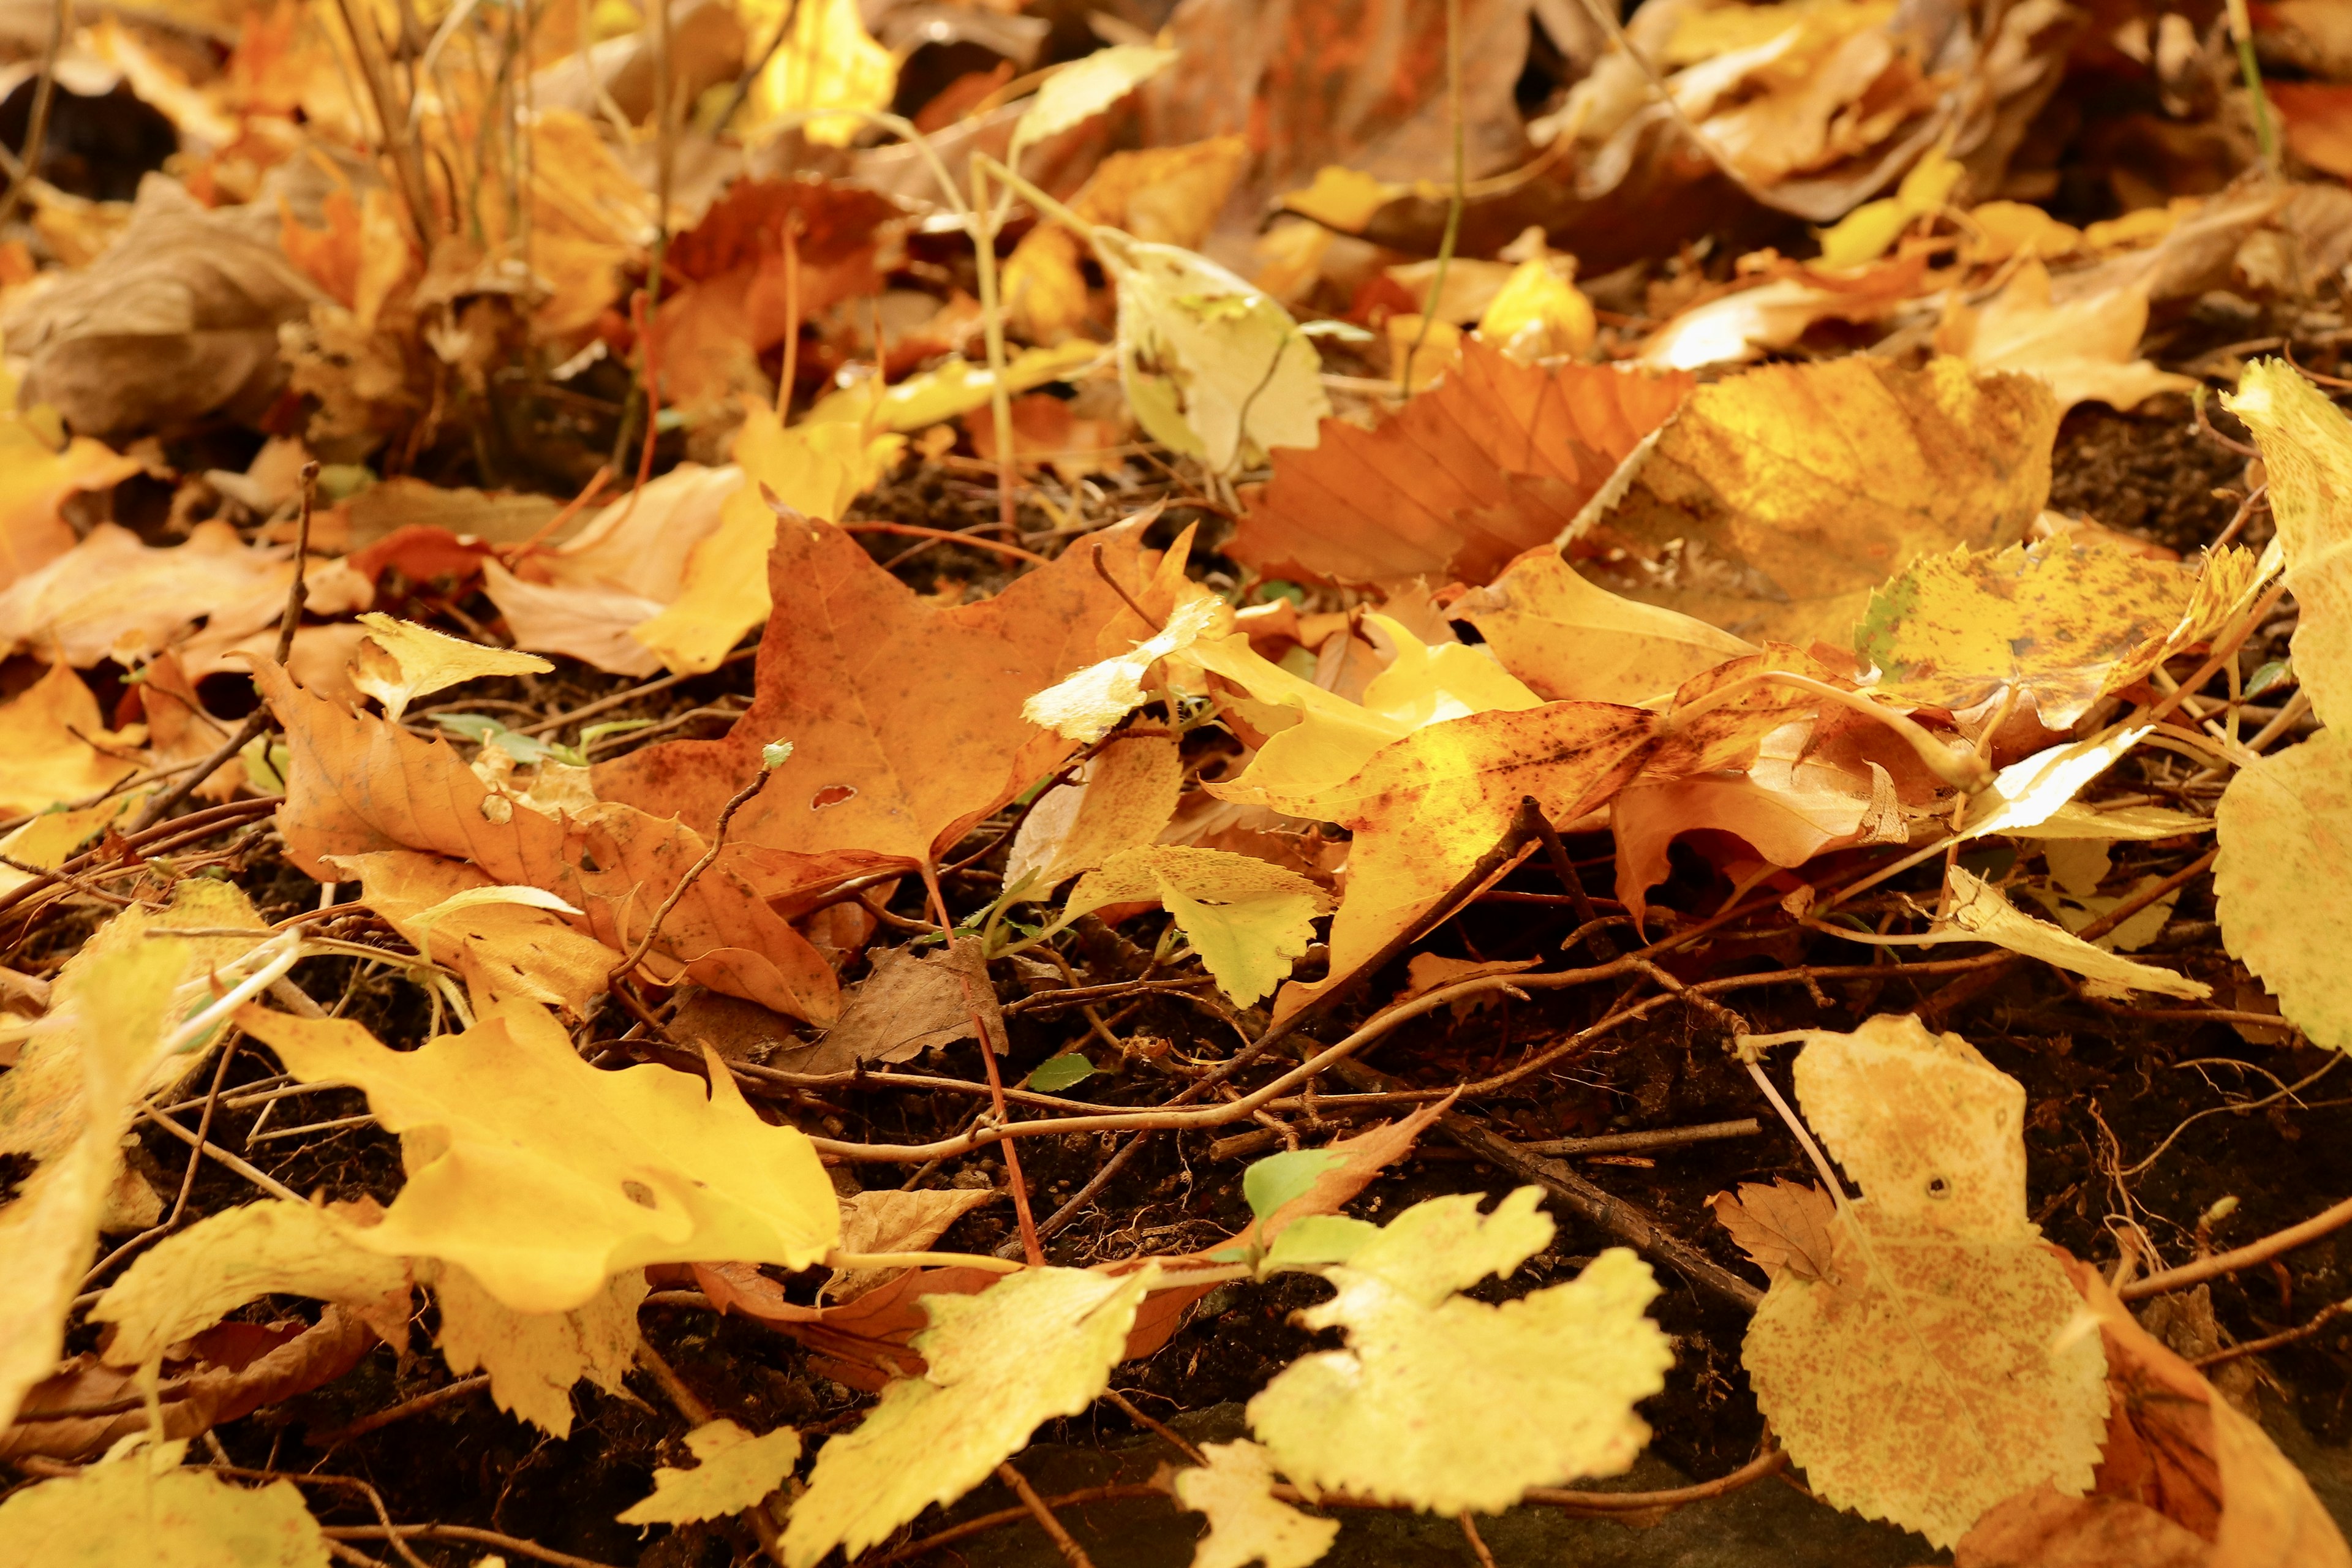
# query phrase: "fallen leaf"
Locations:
[[191, 1280], [1539, 315], [1246, 1525], [2084, 342], [1928, 1375], [733, 1471], [1342, 198], [905, 716], [1779, 309], [1088, 705], [1497, 458], [543, 1177], [1785, 1229], [1247, 918], [534, 1358], [186, 1518], [888, 1220], [503, 947], [1980, 909], [38, 480], [1037, 1344], [908, 1004], [2285, 830], [2306, 446], [401, 661], [1871, 230], [49, 741], [1086, 86], [827, 62], [1571, 640], [2030, 797], [953, 386], [1450, 1404], [1124, 796], [1780, 498]]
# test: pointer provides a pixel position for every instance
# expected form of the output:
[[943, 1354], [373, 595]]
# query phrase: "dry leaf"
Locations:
[[2085, 346], [35, 482], [1086, 86], [142, 1506], [1496, 460], [888, 1220], [1775, 501], [2285, 831], [1785, 1229], [1246, 1525], [544, 1177], [1450, 1404], [1247, 918], [1928, 1375], [2306, 446], [503, 947], [905, 718], [910, 1004], [401, 661], [1088, 705], [1980, 909], [1571, 640], [49, 741], [1122, 797], [733, 1470], [534, 1358], [827, 62]]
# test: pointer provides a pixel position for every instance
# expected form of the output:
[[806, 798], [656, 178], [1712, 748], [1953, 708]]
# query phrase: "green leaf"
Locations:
[[1275, 1180], [1318, 1239], [1061, 1072]]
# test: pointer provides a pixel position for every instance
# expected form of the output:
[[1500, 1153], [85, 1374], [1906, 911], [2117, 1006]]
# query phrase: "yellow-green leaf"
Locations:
[[733, 1472], [142, 1508], [1245, 1524], [2306, 444], [2283, 884], [1247, 918], [399, 662], [534, 1358]]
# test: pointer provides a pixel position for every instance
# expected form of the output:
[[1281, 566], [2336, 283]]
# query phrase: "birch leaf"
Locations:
[[399, 662], [534, 1358], [1040, 1344], [1245, 1524], [1247, 918], [2282, 884], [544, 1177], [144, 1507], [2306, 446], [1449, 1404], [734, 1470]]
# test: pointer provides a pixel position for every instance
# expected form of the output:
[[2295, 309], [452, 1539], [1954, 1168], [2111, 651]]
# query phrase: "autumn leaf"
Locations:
[[1497, 458], [1089, 704], [1980, 909], [826, 62], [1778, 499], [1245, 1524], [888, 1220], [2306, 446], [1450, 1404], [544, 1177], [1123, 797], [909, 1003], [534, 1358], [49, 741], [142, 1506], [733, 1470], [400, 661], [1571, 640], [906, 718], [2082, 340], [38, 480], [2279, 886], [1926, 1376], [501, 944], [1785, 1229], [1086, 86], [1037, 1344], [1247, 918]]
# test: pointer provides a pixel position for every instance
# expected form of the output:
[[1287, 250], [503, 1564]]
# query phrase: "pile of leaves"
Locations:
[[731, 733]]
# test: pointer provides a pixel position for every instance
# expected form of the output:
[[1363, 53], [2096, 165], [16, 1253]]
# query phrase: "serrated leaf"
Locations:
[[1449, 1404], [2282, 884], [144, 1507], [2306, 446], [544, 1177], [1247, 918], [534, 1358], [1245, 1524], [735, 1471], [399, 662], [1037, 1344]]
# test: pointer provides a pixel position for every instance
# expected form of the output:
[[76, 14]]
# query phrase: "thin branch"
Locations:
[[399, 1412], [1040, 1510], [2252, 1254], [718, 842]]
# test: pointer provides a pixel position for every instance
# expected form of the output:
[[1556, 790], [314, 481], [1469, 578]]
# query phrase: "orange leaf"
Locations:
[[356, 784], [1497, 458], [905, 718]]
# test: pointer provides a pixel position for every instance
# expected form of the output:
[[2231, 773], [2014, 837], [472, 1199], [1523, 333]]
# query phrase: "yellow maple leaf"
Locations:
[[1123, 797], [506, 940], [733, 1472], [544, 1177], [1245, 1524], [1036, 1344], [534, 1358], [143, 1507], [399, 662], [1247, 918], [1930, 1376], [1450, 1404]]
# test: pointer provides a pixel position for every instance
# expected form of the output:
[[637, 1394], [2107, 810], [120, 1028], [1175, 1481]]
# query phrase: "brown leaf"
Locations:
[[891, 1221], [905, 718], [908, 1004], [356, 785], [1784, 1228], [1497, 458]]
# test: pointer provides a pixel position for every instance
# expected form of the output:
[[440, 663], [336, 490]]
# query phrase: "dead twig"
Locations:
[[428, 1400], [2325, 1223], [1040, 1510], [769, 763]]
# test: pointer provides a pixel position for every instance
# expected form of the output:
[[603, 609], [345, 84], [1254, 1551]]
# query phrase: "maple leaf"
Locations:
[[193, 1280], [357, 784], [534, 1358], [733, 1470], [35, 479], [905, 716], [1778, 499], [400, 661], [543, 1177], [143, 1507], [1123, 797], [1925, 1376], [1037, 1344], [1495, 459], [1570, 639], [1245, 1524], [49, 739], [1247, 918], [1450, 1404], [503, 944]]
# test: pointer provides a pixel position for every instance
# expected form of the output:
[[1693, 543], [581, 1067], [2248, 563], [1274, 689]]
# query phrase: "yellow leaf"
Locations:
[[1871, 230], [1342, 198], [1086, 86], [2281, 882], [543, 1177], [1044, 292], [1930, 1374], [534, 1358], [35, 482], [1538, 313], [817, 469], [1450, 1404], [399, 662], [2085, 345], [733, 1471], [2062, 622], [52, 838], [142, 1508], [955, 385], [888, 1220], [46, 754], [1245, 1524], [1979, 909], [1037, 1344], [1569, 639], [2033, 792], [1169, 195], [1780, 498], [1247, 918], [1087, 705], [2004, 229], [2306, 444], [827, 62], [1123, 797], [505, 940], [190, 1281]]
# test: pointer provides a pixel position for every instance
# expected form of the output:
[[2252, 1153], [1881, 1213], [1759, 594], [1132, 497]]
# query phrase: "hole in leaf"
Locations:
[[1939, 1188], [638, 1193], [831, 794]]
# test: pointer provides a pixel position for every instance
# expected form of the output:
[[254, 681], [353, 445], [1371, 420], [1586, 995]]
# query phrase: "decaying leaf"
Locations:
[[1778, 499], [544, 1177], [910, 1004], [1571, 640], [1036, 1344], [1785, 1229], [1450, 1404], [1980, 909], [733, 1470], [1247, 918], [1928, 1375], [1123, 797], [534, 1358], [143, 1507], [49, 739], [1246, 1525], [400, 661], [888, 1220], [1087, 705], [2280, 885]]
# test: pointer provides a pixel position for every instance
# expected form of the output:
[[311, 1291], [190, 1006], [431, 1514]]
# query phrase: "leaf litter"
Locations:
[[1222, 573]]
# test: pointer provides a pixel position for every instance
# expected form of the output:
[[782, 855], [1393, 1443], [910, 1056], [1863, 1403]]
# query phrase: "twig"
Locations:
[[1070, 1211], [220, 1156], [37, 130], [2246, 1257], [1589, 923], [1064, 1541], [2301, 1331], [465, 1532], [1166, 1434], [988, 1522], [1102, 570], [1477, 1545], [1659, 1137], [941, 535], [769, 763], [400, 1412]]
